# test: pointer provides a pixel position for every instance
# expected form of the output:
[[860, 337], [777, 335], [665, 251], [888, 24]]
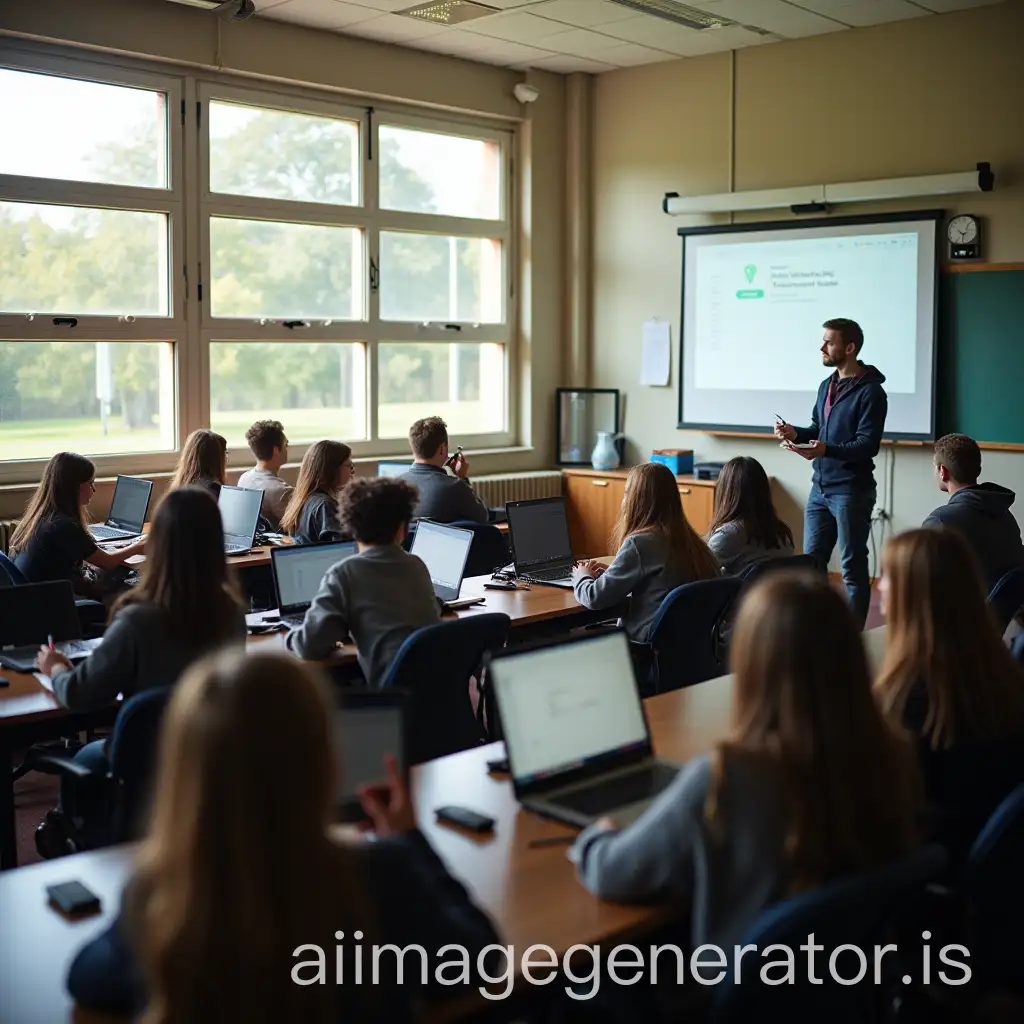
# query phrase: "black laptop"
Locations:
[[299, 570], [538, 534], [127, 510], [240, 513], [575, 730], [33, 613]]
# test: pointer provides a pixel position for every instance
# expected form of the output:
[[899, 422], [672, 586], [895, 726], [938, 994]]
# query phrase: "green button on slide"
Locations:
[[750, 293]]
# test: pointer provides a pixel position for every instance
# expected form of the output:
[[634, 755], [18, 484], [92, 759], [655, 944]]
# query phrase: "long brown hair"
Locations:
[[204, 456], [743, 494], [318, 473], [942, 641], [651, 504], [238, 870], [802, 700], [186, 574], [56, 495]]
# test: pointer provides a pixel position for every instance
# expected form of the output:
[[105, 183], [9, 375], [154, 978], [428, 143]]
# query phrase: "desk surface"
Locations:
[[531, 894]]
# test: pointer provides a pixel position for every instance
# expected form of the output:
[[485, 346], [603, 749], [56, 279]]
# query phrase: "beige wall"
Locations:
[[923, 96], [156, 30]]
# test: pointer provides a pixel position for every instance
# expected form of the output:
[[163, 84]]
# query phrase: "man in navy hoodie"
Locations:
[[844, 437]]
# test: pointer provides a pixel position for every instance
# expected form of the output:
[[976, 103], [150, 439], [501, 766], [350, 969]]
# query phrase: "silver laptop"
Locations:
[[393, 468], [575, 731], [240, 513], [444, 550], [538, 533], [127, 510], [298, 572]]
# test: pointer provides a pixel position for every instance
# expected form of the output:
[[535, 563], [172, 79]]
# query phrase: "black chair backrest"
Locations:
[[1017, 648], [759, 569], [489, 550], [685, 633], [434, 666], [1007, 597], [12, 572]]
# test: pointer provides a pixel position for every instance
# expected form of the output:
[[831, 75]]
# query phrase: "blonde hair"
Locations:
[[204, 456], [318, 474]]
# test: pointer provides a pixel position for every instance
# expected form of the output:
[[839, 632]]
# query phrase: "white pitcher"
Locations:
[[605, 455]]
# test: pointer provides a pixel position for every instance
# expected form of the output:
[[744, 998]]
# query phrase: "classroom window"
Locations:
[[92, 397], [439, 278], [277, 154], [73, 259], [431, 172], [316, 389], [70, 129], [463, 384], [286, 271]]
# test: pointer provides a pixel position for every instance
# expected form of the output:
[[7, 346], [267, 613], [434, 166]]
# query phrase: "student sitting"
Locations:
[[657, 551], [267, 442], [204, 461], [442, 497], [51, 541], [378, 596], [184, 606], [745, 528], [241, 876], [311, 516], [980, 513], [813, 784], [947, 677]]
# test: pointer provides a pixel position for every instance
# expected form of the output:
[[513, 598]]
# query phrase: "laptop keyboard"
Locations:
[[560, 573], [109, 533], [23, 659], [609, 794]]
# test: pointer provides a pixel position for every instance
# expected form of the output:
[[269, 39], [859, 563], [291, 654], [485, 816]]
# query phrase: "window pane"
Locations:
[[426, 172], [97, 398], [463, 384], [267, 269], [82, 131], [71, 259], [438, 278], [255, 151], [316, 389]]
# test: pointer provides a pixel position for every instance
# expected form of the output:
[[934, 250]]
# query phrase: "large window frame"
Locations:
[[189, 205]]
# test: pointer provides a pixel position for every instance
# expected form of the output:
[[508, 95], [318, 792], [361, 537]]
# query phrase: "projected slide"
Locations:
[[755, 299]]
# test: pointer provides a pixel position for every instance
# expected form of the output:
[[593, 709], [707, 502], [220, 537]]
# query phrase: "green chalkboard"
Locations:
[[981, 355]]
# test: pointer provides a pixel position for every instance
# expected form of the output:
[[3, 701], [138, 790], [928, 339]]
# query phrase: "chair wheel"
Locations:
[[55, 836]]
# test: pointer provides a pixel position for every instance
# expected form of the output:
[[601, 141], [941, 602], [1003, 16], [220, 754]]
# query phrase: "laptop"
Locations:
[[575, 731], [444, 550], [368, 725], [127, 510], [393, 468], [32, 613], [538, 533], [299, 570], [240, 512]]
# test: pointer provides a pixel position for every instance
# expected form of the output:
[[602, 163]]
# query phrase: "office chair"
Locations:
[[758, 569], [1017, 648], [11, 571], [857, 910], [434, 666], [489, 550], [684, 637], [125, 789], [1006, 598]]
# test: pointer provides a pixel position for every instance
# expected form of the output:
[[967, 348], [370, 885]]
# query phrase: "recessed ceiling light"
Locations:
[[449, 12], [679, 13]]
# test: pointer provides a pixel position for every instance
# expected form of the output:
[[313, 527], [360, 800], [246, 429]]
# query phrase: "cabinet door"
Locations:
[[699, 506], [593, 505]]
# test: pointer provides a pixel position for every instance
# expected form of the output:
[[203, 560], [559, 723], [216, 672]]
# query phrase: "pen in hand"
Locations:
[[49, 641]]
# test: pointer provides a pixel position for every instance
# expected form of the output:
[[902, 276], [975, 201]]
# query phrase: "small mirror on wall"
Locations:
[[580, 415]]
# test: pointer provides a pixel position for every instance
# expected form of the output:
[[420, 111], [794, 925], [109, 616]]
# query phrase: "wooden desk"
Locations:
[[531, 894]]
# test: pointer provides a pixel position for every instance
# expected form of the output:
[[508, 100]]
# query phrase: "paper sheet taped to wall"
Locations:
[[656, 360]]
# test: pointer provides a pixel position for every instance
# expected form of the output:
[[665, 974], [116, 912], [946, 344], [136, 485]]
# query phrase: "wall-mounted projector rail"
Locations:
[[818, 198]]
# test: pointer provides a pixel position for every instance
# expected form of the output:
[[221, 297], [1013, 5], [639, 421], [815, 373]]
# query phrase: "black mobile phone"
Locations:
[[465, 818], [500, 765], [450, 461], [4, 682], [73, 898], [509, 585]]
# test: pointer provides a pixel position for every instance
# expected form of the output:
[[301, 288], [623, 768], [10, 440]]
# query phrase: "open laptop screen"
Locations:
[[299, 570], [444, 550], [539, 531], [368, 725], [131, 500], [240, 511], [567, 705], [393, 468]]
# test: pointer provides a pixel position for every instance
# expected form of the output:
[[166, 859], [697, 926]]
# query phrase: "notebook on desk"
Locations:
[[30, 615], [538, 532], [127, 510], [298, 571]]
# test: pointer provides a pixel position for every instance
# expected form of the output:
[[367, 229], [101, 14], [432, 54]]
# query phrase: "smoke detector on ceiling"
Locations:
[[449, 12], [681, 14]]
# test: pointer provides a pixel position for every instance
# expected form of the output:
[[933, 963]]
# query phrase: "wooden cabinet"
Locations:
[[593, 501]]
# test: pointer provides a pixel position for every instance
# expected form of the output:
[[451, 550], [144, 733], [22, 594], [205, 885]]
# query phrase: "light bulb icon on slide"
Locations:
[[750, 272]]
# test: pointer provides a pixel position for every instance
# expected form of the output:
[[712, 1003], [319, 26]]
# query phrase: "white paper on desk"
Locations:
[[45, 680], [656, 359]]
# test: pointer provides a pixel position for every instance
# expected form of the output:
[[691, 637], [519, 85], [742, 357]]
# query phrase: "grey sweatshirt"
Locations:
[[670, 854], [443, 497], [733, 549], [639, 573], [378, 597], [137, 653], [276, 493]]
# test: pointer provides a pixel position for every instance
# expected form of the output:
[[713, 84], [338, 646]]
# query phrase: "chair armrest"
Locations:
[[50, 764]]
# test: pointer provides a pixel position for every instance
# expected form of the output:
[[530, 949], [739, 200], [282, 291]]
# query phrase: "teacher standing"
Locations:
[[844, 436]]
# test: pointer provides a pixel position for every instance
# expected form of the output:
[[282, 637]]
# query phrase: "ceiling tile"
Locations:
[[859, 13], [325, 14], [518, 27], [776, 16], [568, 65], [395, 29], [456, 41], [583, 13], [680, 40], [627, 55], [578, 41], [943, 6]]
